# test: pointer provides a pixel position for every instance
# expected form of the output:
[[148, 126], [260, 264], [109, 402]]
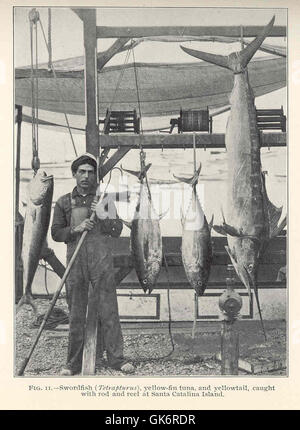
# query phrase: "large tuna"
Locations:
[[196, 249], [37, 217], [145, 238], [252, 218]]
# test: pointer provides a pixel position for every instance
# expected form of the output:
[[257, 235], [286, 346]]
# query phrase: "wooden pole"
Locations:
[[19, 221], [54, 299], [90, 75], [18, 153], [92, 146], [90, 336]]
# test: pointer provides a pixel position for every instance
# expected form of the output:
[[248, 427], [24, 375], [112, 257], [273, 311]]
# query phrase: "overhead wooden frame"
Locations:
[[227, 31]]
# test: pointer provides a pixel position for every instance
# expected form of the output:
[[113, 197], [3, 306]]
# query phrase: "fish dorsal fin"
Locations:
[[272, 212], [279, 229], [219, 229]]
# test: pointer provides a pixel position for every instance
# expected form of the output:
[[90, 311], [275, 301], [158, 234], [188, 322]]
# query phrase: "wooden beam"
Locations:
[[79, 12], [227, 31], [121, 274], [185, 285], [219, 259], [104, 57], [90, 337], [184, 140], [19, 221], [91, 81], [112, 161], [18, 154]]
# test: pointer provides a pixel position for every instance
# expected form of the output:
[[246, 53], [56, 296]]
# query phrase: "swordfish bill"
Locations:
[[253, 218]]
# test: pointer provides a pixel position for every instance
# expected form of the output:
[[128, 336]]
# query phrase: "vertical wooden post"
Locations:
[[90, 336], [229, 349], [90, 74], [92, 146], [18, 153], [19, 222], [230, 304]]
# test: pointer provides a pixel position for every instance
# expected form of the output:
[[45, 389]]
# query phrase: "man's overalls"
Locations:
[[93, 264]]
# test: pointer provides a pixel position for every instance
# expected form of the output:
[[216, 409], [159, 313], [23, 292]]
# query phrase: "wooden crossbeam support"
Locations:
[[79, 12], [169, 141], [219, 259], [227, 31], [212, 285], [112, 161], [121, 274], [104, 57]]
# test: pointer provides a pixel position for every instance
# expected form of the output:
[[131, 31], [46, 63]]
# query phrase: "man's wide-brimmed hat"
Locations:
[[85, 158]]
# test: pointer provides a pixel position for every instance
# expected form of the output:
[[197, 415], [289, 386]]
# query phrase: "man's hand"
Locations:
[[94, 204], [87, 224]]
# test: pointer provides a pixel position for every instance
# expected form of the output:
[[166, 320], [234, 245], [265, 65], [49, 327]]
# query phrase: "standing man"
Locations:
[[94, 264]]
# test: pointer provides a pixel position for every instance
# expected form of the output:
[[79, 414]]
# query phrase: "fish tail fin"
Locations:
[[138, 173], [219, 60], [27, 299], [193, 180], [247, 53], [242, 57]]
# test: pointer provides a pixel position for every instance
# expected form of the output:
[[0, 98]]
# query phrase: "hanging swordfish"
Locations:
[[145, 237], [253, 219], [196, 248], [37, 218]]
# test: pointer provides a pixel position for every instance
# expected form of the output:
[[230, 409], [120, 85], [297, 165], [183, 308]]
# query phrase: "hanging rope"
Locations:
[[36, 90], [137, 88], [33, 19], [142, 152], [57, 86], [120, 79], [49, 39]]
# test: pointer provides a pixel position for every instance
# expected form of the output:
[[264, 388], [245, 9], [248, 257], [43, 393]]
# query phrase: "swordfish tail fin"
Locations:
[[192, 180], [237, 61], [140, 174]]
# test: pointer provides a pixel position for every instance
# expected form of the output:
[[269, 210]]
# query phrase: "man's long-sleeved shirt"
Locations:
[[61, 224]]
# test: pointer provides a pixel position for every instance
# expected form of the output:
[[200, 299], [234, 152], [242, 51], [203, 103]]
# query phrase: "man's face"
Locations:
[[85, 176]]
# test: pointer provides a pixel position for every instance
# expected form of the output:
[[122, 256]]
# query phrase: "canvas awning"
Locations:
[[163, 88]]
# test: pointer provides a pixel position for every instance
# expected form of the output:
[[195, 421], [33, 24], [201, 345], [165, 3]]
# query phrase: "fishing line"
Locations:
[[194, 191], [143, 360]]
